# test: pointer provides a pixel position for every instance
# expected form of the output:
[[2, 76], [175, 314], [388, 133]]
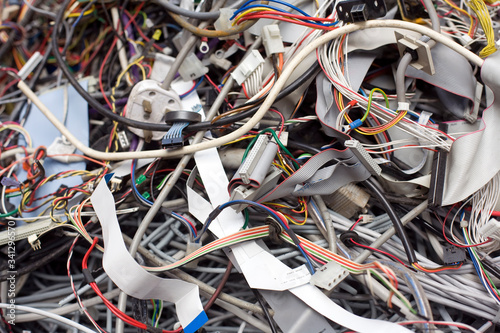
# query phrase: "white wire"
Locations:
[[49, 315], [329, 60], [267, 103]]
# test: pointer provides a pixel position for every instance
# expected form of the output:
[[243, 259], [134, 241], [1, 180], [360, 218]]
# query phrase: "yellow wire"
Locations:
[[254, 10], [483, 15], [136, 62], [452, 5], [20, 129], [88, 12], [240, 139]]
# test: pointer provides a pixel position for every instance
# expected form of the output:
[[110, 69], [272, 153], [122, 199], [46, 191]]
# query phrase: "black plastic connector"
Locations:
[[359, 13], [360, 10], [453, 254], [438, 176], [172, 142]]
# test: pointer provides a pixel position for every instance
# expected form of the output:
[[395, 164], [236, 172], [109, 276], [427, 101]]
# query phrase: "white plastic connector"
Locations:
[[403, 106], [465, 40], [30, 65], [24, 231], [247, 67], [366, 218], [224, 22], [34, 242], [464, 224], [192, 68], [220, 62], [123, 140], [329, 276], [491, 229], [271, 38]]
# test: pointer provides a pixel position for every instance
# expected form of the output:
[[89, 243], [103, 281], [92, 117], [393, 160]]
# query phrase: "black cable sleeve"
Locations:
[[398, 226], [87, 276]]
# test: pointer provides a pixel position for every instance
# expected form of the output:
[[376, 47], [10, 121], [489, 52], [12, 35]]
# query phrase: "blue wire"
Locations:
[[134, 187], [186, 222], [282, 11], [476, 264], [173, 26], [275, 1], [192, 89], [252, 203], [267, 209]]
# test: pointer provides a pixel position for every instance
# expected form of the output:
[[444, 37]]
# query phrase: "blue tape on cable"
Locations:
[[197, 323]]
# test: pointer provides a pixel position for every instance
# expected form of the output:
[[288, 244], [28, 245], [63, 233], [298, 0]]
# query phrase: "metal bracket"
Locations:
[[421, 49]]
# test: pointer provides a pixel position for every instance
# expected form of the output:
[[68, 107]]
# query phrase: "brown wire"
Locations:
[[217, 292]]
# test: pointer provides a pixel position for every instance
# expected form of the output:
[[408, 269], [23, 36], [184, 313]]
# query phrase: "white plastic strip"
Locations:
[[131, 278], [261, 269]]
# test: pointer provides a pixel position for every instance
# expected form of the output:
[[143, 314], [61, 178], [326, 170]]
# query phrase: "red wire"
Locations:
[[296, 16], [101, 70], [245, 90], [110, 305], [282, 121], [216, 88], [452, 243], [139, 30], [379, 251], [492, 212], [355, 223], [432, 322], [273, 17]]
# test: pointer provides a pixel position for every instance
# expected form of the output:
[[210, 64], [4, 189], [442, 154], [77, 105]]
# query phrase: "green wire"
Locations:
[[9, 213], [153, 318], [280, 144], [370, 97], [247, 218], [481, 264]]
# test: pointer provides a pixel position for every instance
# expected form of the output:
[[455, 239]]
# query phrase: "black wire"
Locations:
[[42, 261], [314, 69], [398, 226], [264, 309], [303, 146]]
